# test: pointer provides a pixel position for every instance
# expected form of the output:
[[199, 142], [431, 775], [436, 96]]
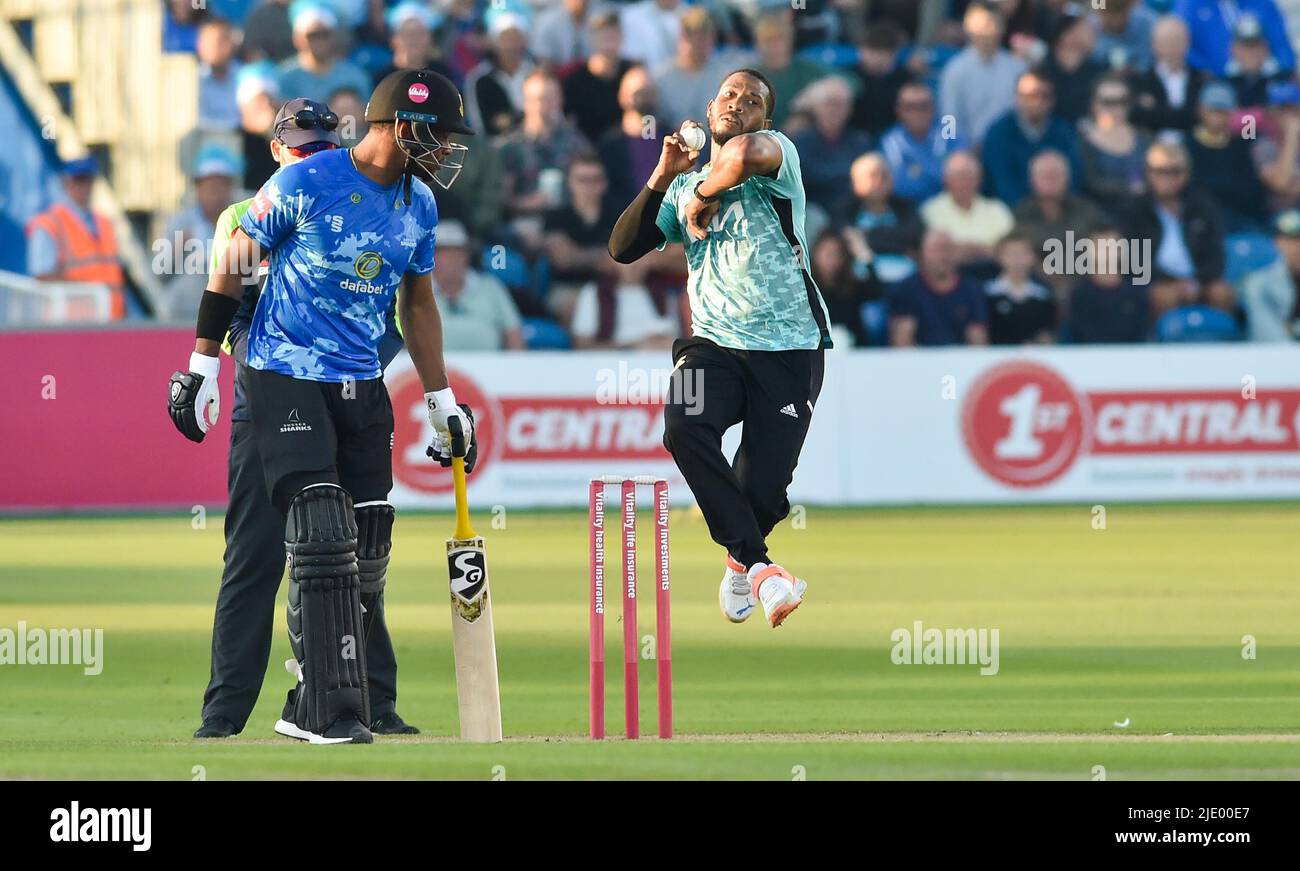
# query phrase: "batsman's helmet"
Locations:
[[434, 108]]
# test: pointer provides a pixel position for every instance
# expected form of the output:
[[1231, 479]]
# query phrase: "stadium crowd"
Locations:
[[974, 169]]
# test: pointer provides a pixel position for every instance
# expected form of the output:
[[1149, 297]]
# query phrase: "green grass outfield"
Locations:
[[1140, 622]]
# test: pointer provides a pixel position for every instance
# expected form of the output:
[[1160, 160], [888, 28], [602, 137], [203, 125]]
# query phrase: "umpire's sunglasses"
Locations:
[[310, 119], [310, 148]]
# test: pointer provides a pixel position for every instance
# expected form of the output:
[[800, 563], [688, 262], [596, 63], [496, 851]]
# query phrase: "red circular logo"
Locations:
[[412, 432], [1023, 424], [418, 92]]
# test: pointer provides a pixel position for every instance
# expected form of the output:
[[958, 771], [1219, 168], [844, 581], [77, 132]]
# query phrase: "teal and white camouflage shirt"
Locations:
[[749, 285]]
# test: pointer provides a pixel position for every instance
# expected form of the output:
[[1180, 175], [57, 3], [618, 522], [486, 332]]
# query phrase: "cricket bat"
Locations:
[[472, 637]]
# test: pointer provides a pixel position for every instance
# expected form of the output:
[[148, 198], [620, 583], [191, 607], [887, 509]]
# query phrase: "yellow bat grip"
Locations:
[[463, 528]]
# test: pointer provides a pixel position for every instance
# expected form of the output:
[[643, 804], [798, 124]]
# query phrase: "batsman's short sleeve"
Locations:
[[667, 219], [788, 178], [422, 257], [390, 343], [277, 207]]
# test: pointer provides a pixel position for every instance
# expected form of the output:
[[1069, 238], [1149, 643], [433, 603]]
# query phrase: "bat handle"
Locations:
[[459, 444], [463, 528]]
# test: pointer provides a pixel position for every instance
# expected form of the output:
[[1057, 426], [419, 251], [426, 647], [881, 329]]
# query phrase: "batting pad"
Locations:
[[325, 620]]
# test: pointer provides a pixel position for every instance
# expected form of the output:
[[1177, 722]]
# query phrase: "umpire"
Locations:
[[254, 558], [347, 233]]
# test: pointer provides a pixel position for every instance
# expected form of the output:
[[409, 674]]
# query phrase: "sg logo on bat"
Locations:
[[467, 568]]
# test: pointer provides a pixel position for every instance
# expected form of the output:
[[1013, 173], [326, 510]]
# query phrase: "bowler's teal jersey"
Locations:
[[750, 287], [339, 247]]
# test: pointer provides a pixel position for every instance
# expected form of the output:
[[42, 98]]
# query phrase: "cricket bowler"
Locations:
[[756, 353], [254, 530], [346, 231]]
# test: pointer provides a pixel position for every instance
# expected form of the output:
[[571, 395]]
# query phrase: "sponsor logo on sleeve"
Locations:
[[261, 206]]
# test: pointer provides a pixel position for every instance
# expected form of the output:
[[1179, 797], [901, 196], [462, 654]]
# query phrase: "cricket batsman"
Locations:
[[346, 232], [759, 328], [254, 530]]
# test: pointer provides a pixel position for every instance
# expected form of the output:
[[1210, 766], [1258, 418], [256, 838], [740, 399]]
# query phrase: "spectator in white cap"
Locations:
[[494, 90], [410, 27], [216, 171], [258, 96], [477, 311], [218, 74], [318, 69]]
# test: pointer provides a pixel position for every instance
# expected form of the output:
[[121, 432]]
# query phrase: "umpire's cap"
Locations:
[[419, 95], [301, 122]]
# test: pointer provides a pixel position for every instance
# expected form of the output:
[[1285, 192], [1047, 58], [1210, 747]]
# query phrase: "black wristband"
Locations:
[[635, 232], [701, 197], [216, 311]]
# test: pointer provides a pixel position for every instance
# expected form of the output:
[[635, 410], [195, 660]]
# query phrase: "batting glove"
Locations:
[[193, 399], [442, 408]]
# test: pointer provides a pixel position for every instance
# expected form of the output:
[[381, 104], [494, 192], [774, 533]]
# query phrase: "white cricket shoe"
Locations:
[[345, 730], [735, 594], [778, 590], [350, 733]]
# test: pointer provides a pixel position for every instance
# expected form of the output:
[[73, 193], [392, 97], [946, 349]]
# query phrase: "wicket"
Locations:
[[663, 641]]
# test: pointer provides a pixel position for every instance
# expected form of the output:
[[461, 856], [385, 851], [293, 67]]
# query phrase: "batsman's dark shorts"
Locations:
[[312, 432]]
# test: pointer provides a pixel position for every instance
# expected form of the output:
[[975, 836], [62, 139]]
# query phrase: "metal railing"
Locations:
[[28, 302]]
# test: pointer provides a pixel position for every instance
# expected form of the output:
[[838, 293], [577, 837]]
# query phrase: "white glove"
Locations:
[[442, 408], [193, 399], [209, 397]]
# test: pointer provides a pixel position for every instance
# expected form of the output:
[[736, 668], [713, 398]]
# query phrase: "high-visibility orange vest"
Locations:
[[83, 257]]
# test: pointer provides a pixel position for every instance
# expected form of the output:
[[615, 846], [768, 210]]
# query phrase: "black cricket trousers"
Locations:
[[244, 624], [772, 393]]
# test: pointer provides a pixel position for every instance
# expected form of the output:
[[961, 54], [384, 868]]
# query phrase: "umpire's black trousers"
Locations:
[[772, 393], [245, 620]]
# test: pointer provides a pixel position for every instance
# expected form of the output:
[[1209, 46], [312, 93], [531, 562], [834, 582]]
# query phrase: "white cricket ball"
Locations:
[[693, 138]]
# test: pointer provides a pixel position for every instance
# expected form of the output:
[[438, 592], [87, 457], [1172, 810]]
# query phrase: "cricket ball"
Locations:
[[693, 138]]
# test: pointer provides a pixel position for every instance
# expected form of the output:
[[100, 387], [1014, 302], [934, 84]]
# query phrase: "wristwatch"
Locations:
[[701, 197]]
